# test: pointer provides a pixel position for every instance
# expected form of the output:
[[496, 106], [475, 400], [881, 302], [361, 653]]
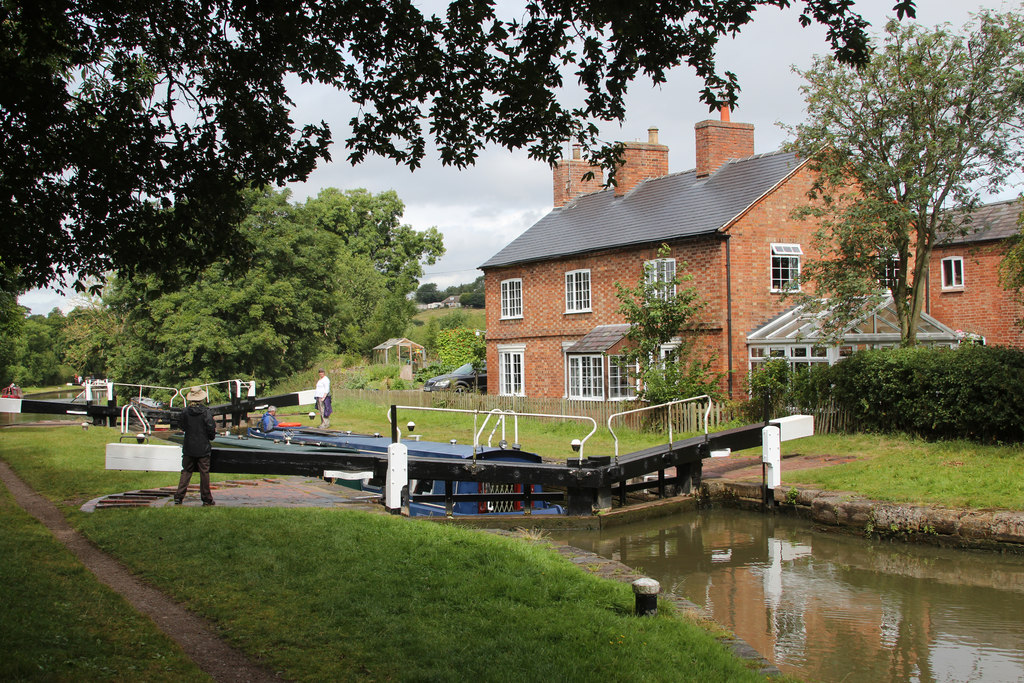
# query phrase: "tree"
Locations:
[[12, 317], [371, 225], [303, 291], [903, 148], [428, 294], [664, 343], [130, 129]]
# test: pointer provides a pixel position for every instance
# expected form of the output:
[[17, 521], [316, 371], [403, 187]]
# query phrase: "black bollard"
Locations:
[[646, 591]]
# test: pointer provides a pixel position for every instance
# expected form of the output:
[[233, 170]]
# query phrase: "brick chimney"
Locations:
[[568, 178], [640, 161], [720, 141]]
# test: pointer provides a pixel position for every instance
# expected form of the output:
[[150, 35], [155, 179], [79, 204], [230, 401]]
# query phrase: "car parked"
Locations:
[[461, 379]]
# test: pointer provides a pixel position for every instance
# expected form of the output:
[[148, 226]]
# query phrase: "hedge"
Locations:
[[972, 392]]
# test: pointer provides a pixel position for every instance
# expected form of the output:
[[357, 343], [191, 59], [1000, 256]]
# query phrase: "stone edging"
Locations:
[[1001, 530]]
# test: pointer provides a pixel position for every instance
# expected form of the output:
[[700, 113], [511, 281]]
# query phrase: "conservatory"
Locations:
[[798, 336]]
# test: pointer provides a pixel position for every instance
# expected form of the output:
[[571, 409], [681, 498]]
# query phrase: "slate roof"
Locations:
[[599, 339], [994, 221], [665, 208]]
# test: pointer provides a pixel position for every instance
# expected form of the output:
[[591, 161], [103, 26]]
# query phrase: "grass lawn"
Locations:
[[906, 470], [58, 623], [549, 438], [341, 595]]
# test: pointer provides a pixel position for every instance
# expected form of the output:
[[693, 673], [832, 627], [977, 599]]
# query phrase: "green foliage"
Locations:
[[11, 320], [472, 299], [103, 171], [664, 344], [903, 148], [769, 385], [37, 350], [309, 286], [1011, 268], [973, 392], [428, 294], [453, 320], [460, 345]]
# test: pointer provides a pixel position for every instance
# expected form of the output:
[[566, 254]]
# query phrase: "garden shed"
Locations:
[[399, 351]]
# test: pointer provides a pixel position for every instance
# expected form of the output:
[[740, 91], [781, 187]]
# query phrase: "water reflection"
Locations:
[[826, 607]]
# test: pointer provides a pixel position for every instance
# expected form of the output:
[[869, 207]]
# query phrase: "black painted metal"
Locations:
[[581, 479]]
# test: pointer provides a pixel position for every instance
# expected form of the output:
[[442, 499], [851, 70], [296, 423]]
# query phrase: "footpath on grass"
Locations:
[[192, 633]]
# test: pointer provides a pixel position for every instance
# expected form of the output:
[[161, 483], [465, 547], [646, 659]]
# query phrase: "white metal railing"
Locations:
[[107, 387], [126, 414], [500, 421], [477, 429], [668, 405], [250, 387]]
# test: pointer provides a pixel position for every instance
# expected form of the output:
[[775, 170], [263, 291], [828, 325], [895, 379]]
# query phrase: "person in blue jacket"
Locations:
[[269, 421]]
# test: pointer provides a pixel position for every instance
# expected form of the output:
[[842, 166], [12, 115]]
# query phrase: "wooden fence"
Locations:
[[685, 418]]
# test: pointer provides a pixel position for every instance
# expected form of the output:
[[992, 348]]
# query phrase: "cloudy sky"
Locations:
[[482, 209]]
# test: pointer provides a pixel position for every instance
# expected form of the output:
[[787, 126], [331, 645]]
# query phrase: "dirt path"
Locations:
[[194, 634]]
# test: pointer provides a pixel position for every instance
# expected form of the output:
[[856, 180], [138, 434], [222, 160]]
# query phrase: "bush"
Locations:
[[973, 392], [458, 346], [770, 389]]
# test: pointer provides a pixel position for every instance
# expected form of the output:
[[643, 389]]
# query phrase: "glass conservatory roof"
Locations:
[[880, 326]]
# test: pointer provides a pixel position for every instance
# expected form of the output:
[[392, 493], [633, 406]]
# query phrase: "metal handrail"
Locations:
[[125, 417], [501, 420], [477, 413], [237, 382], [668, 405], [104, 383]]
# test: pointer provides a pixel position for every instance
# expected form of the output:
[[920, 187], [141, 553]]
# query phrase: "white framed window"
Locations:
[[953, 272], [510, 369], [577, 291], [662, 272], [797, 355], [512, 298], [586, 377], [786, 267], [621, 379]]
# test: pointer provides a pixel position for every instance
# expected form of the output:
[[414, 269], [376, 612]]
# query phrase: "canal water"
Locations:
[[834, 608]]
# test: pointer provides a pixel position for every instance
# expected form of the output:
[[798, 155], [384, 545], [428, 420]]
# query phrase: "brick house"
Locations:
[[552, 313], [963, 281]]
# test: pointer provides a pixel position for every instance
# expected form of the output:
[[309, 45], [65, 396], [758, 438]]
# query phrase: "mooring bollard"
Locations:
[[646, 591]]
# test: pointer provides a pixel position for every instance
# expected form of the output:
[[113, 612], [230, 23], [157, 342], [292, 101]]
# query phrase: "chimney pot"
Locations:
[[575, 151], [652, 135], [724, 111]]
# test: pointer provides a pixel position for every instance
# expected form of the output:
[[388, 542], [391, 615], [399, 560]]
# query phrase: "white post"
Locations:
[[398, 477], [771, 455]]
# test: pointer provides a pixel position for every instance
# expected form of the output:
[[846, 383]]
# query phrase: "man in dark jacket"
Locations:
[[197, 423]]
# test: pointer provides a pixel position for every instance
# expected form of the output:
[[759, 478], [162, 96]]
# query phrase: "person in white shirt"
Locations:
[[322, 394]]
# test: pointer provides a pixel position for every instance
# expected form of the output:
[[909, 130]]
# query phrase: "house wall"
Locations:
[[981, 306], [545, 325]]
